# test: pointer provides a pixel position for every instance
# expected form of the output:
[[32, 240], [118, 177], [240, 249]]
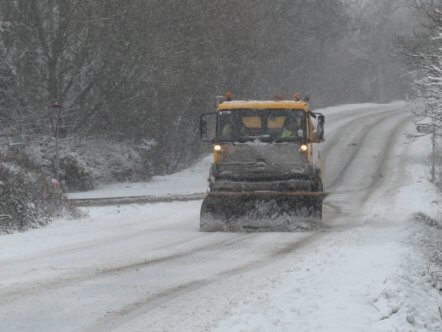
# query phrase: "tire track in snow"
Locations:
[[348, 123], [359, 140], [356, 152], [105, 241], [129, 312], [83, 275], [119, 317], [376, 182], [385, 157], [92, 244]]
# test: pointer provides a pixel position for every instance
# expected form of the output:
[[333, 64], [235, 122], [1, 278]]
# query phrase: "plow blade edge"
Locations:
[[261, 211]]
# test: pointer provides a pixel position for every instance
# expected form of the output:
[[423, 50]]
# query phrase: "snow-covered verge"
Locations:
[[427, 236], [412, 293], [28, 199]]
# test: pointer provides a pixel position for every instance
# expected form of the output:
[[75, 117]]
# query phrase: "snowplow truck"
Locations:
[[266, 173]]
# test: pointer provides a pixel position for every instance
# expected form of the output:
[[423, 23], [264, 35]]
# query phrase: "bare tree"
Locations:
[[145, 69], [423, 56]]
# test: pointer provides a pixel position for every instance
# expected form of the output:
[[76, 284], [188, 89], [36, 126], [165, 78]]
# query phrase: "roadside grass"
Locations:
[[430, 240]]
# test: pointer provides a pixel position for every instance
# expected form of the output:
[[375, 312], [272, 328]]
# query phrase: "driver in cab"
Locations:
[[290, 128]]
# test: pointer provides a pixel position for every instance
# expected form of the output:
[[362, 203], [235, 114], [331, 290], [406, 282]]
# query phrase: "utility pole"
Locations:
[[56, 106]]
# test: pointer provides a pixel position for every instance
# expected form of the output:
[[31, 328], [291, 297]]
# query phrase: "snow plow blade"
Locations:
[[261, 211]]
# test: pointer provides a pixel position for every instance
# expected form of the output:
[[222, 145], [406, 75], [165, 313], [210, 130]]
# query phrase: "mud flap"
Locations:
[[265, 212]]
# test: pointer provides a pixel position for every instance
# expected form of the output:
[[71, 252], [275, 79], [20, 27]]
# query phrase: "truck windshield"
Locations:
[[265, 125]]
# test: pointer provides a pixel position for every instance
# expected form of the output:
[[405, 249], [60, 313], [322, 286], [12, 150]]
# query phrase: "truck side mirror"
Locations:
[[320, 129], [208, 127]]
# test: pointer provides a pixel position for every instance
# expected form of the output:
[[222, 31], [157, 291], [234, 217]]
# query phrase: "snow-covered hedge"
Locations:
[[85, 163], [28, 199]]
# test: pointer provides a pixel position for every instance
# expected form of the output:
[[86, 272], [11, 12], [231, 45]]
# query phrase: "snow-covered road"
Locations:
[[147, 267]]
